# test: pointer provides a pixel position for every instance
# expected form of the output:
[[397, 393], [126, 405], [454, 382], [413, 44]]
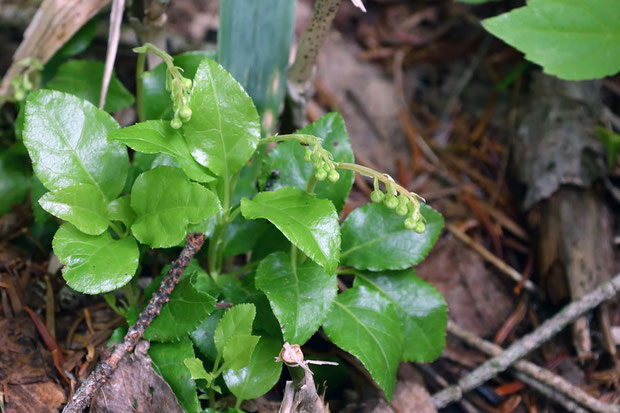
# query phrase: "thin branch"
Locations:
[[82, 397], [552, 384], [522, 347], [116, 18]]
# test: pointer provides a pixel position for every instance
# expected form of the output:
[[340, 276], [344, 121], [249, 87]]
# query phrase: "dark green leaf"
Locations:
[[421, 308], [572, 39], [95, 264], [224, 129], [80, 40], [364, 323], [120, 210], [15, 178], [168, 360], [83, 78], [301, 294], [80, 204], [40, 215], [311, 224], [166, 203], [288, 159], [261, 375], [66, 140], [186, 309], [375, 238], [242, 234], [202, 336], [157, 136]]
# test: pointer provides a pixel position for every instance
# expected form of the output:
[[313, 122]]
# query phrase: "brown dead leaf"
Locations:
[[135, 387]]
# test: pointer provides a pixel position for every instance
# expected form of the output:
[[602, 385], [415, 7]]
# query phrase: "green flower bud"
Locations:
[[321, 174], [419, 227], [19, 94], [376, 196], [176, 123], [402, 210], [410, 223], [308, 155], [185, 113], [333, 176], [317, 164], [390, 201], [187, 83]]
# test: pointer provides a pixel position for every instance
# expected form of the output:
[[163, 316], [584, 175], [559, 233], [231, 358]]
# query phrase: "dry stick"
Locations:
[[490, 257], [116, 17], [81, 399], [553, 383], [521, 347]]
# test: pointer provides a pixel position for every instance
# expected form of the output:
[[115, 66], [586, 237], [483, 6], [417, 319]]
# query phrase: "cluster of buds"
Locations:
[[405, 204], [28, 80], [323, 164], [180, 88]]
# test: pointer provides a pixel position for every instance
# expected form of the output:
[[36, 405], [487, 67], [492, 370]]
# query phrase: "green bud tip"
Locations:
[[402, 210], [410, 223], [321, 174], [419, 227], [317, 164], [187, 83], [376, 196], [308, 155], [390, 201], [333, 176], [185, 113], [176, 123], [19, 94]]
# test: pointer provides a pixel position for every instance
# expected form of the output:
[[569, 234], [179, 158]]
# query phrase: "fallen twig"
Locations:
[[551, 383], [521, 347], [81, 399], [116, 18]]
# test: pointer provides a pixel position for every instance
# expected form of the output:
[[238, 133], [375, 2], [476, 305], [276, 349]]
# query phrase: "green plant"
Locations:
[[282, 224]]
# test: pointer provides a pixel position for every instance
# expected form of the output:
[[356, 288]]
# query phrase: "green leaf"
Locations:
[[236, 321], [260, 375], [288, 159], [572, 39], [15, 178], [120, 210], [224, 129], [300, 295], [38, 190], [166, 203], [241, 235], [238, 350], [421, 308], [202, 336], [185, 310], [168, 360], [375, 238], [83, 78], [80, 204], [364, 323], [155, 97], [311, 224], [80, 40], [66, 140], [197, 369], [611, 141], [157, 136], [95, 264], [258, 35]]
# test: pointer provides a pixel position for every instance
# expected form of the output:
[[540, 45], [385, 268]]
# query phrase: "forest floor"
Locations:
[[431, 98]]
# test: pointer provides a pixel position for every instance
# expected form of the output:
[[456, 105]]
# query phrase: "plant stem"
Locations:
[[82, 397], [139, 97]]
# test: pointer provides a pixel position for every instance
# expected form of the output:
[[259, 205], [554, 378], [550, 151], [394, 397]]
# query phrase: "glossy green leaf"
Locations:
[[300, 295], [80, 204], [364, 323], [375, 238], [120, 210], [197, 369], [572, 39], [203, 335], [242, 235], [311, 224], [421, 308], [288, 159], [166, 203], [38, 190], [236, 321], [157, 136], [15, 178], [258, 35], [83, 78], [260, 375], [155, 97], [66, 140], [224, 129], [185, 310], [95, 264], [168, 360], [238, 350]]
